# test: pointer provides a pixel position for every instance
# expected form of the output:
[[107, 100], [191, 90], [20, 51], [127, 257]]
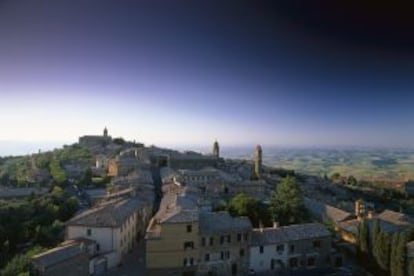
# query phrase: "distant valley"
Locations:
[[390, 165]]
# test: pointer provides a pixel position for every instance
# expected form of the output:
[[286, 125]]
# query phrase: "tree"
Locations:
[[335, 176], [363, 236], [243, 205], [352, 180], [58, 174], [20, 264], [286, 203], [393, 257], [68, 208], [375, 234], [411, 268], [86, 178], [398, 268], [383, 257]]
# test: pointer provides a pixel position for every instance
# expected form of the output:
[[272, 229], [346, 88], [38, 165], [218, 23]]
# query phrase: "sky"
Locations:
[[176, 73]]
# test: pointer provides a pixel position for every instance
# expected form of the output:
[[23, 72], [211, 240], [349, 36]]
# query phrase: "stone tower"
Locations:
[[258, 161], [216, 149], [105, 132]]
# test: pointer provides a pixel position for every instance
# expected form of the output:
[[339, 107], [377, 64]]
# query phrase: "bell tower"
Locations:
[[216, 149], [258, 161], [105, 132]]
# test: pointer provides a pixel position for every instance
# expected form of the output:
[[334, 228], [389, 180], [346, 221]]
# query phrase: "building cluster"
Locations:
[[185, 236]]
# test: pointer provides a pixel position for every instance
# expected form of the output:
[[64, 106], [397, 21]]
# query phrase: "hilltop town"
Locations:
[[153, 211]]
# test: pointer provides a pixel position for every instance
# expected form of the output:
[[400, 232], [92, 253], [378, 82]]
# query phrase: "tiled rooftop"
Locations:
[[289, 233], [211, 223], [325, 211], [110, 214], [58, 254]]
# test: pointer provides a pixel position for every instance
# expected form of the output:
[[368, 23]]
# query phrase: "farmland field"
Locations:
[[368, 164]]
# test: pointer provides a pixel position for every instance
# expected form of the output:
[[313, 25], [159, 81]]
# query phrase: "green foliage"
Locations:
[[397, 265], [375, 234], [118, 141], [20, 264], [244, 205], [34, 220], [383, 254], [352, 181], [335, 176], [411, 268], [282, 172], [57, 191], [86, 179], [58, 174], [68, 208], [363, 236], [286, 203], [393, 257], [74, 154]]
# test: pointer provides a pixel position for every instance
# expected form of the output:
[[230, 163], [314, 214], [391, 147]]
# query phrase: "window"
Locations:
[[89, 232], [293, 262], [185, 262], [203, 241], [222, 255], [316, 244], [241, 252], [229, 238], [191, 261], [311, 261], [98, 247], [292, 248], [207, 257], [221, 239], [211, 241], [189, 228], [188, 245], [280, 248], [261, 249], [245, 236], [239, 236]]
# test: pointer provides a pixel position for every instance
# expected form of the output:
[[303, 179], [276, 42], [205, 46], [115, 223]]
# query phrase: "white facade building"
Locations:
[[300, 246], [114, 226]]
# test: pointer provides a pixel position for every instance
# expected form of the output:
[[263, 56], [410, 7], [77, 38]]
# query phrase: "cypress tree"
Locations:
[[411, 268], [375, 233], [393, 257], [384, 251], [363, 236], [400, 255]]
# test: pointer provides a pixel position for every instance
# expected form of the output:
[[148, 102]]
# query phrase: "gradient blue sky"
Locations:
[[185, 73]]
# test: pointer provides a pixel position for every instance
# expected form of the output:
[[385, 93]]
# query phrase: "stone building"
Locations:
[[95, 140], [115, 225], [193, 241], [301, 246], [70, 258], [224, 244], [191, 160]]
